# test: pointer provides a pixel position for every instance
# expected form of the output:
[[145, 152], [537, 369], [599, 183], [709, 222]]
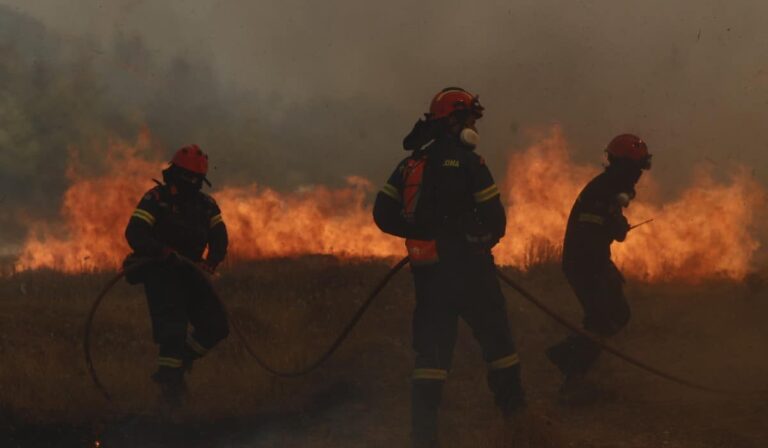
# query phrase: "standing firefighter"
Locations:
[[174, 220], [444, 202], [595, 222]]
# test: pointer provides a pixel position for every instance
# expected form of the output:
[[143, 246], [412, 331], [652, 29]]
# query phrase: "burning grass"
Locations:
[[710, 229], [291, 308]]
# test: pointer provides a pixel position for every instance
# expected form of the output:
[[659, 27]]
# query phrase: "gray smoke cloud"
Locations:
[[307, 92]]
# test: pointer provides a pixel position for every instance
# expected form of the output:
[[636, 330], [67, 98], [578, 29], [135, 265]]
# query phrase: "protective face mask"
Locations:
[[187, 188], [469, 137], [623, 199], [182, 184]]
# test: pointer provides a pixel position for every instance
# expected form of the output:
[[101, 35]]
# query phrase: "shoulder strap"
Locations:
[[413, 176]]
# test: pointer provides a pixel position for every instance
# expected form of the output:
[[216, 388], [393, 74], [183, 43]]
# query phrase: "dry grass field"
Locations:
[[714, 333]]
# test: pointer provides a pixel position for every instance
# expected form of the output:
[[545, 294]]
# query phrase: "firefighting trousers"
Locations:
[[606, 312], [187, 318], [466, 288]]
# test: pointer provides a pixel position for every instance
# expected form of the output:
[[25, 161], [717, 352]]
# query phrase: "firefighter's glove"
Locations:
[[134, 273], [620, 227], [207, 268], [169, 255], [484, 241]]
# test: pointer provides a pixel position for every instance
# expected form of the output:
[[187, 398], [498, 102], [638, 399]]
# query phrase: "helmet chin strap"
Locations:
[[469, 137]]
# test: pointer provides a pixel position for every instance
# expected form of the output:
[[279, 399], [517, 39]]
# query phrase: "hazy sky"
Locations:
[[690, 76], [339, 82]]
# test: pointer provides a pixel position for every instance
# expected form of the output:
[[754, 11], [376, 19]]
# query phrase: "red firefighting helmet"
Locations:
[[630, 148], [454, 99], [192, 159]]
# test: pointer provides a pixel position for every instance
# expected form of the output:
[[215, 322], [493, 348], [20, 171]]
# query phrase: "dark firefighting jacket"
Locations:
[[444, 194], [185, 224], [596, 221]]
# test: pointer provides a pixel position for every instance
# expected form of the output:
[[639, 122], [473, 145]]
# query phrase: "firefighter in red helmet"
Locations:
[[595, 222], [173, 220], [442, 199]]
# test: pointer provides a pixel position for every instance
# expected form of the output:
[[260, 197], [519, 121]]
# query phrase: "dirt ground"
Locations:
[[712, 333]]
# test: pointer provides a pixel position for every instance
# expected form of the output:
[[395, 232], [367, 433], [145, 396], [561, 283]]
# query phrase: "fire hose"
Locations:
[[359, 314], [249, 349], [616, 352]]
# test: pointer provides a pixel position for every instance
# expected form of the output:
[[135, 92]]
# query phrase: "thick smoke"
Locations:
[[51, 98], [308, 92]]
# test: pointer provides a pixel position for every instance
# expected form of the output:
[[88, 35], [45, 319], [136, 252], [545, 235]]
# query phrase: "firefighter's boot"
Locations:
[[426, 396], [173, 389], [574, 356], [577, 390], [507, 389], [193, 350], [189, 358]]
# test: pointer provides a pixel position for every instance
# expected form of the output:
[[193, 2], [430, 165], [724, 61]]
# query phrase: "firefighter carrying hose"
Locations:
[[444, 202], [595, 222], [173, 220]]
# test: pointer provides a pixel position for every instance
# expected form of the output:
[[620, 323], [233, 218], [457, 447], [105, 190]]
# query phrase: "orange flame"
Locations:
[[262, 223], [708, 231], [541, 185], [93, 212]]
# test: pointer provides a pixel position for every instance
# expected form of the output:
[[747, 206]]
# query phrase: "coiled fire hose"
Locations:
[[358, 315]]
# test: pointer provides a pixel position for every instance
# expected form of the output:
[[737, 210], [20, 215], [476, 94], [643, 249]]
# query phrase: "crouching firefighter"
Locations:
[[174, 220], [444, 202], [595, 222]]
